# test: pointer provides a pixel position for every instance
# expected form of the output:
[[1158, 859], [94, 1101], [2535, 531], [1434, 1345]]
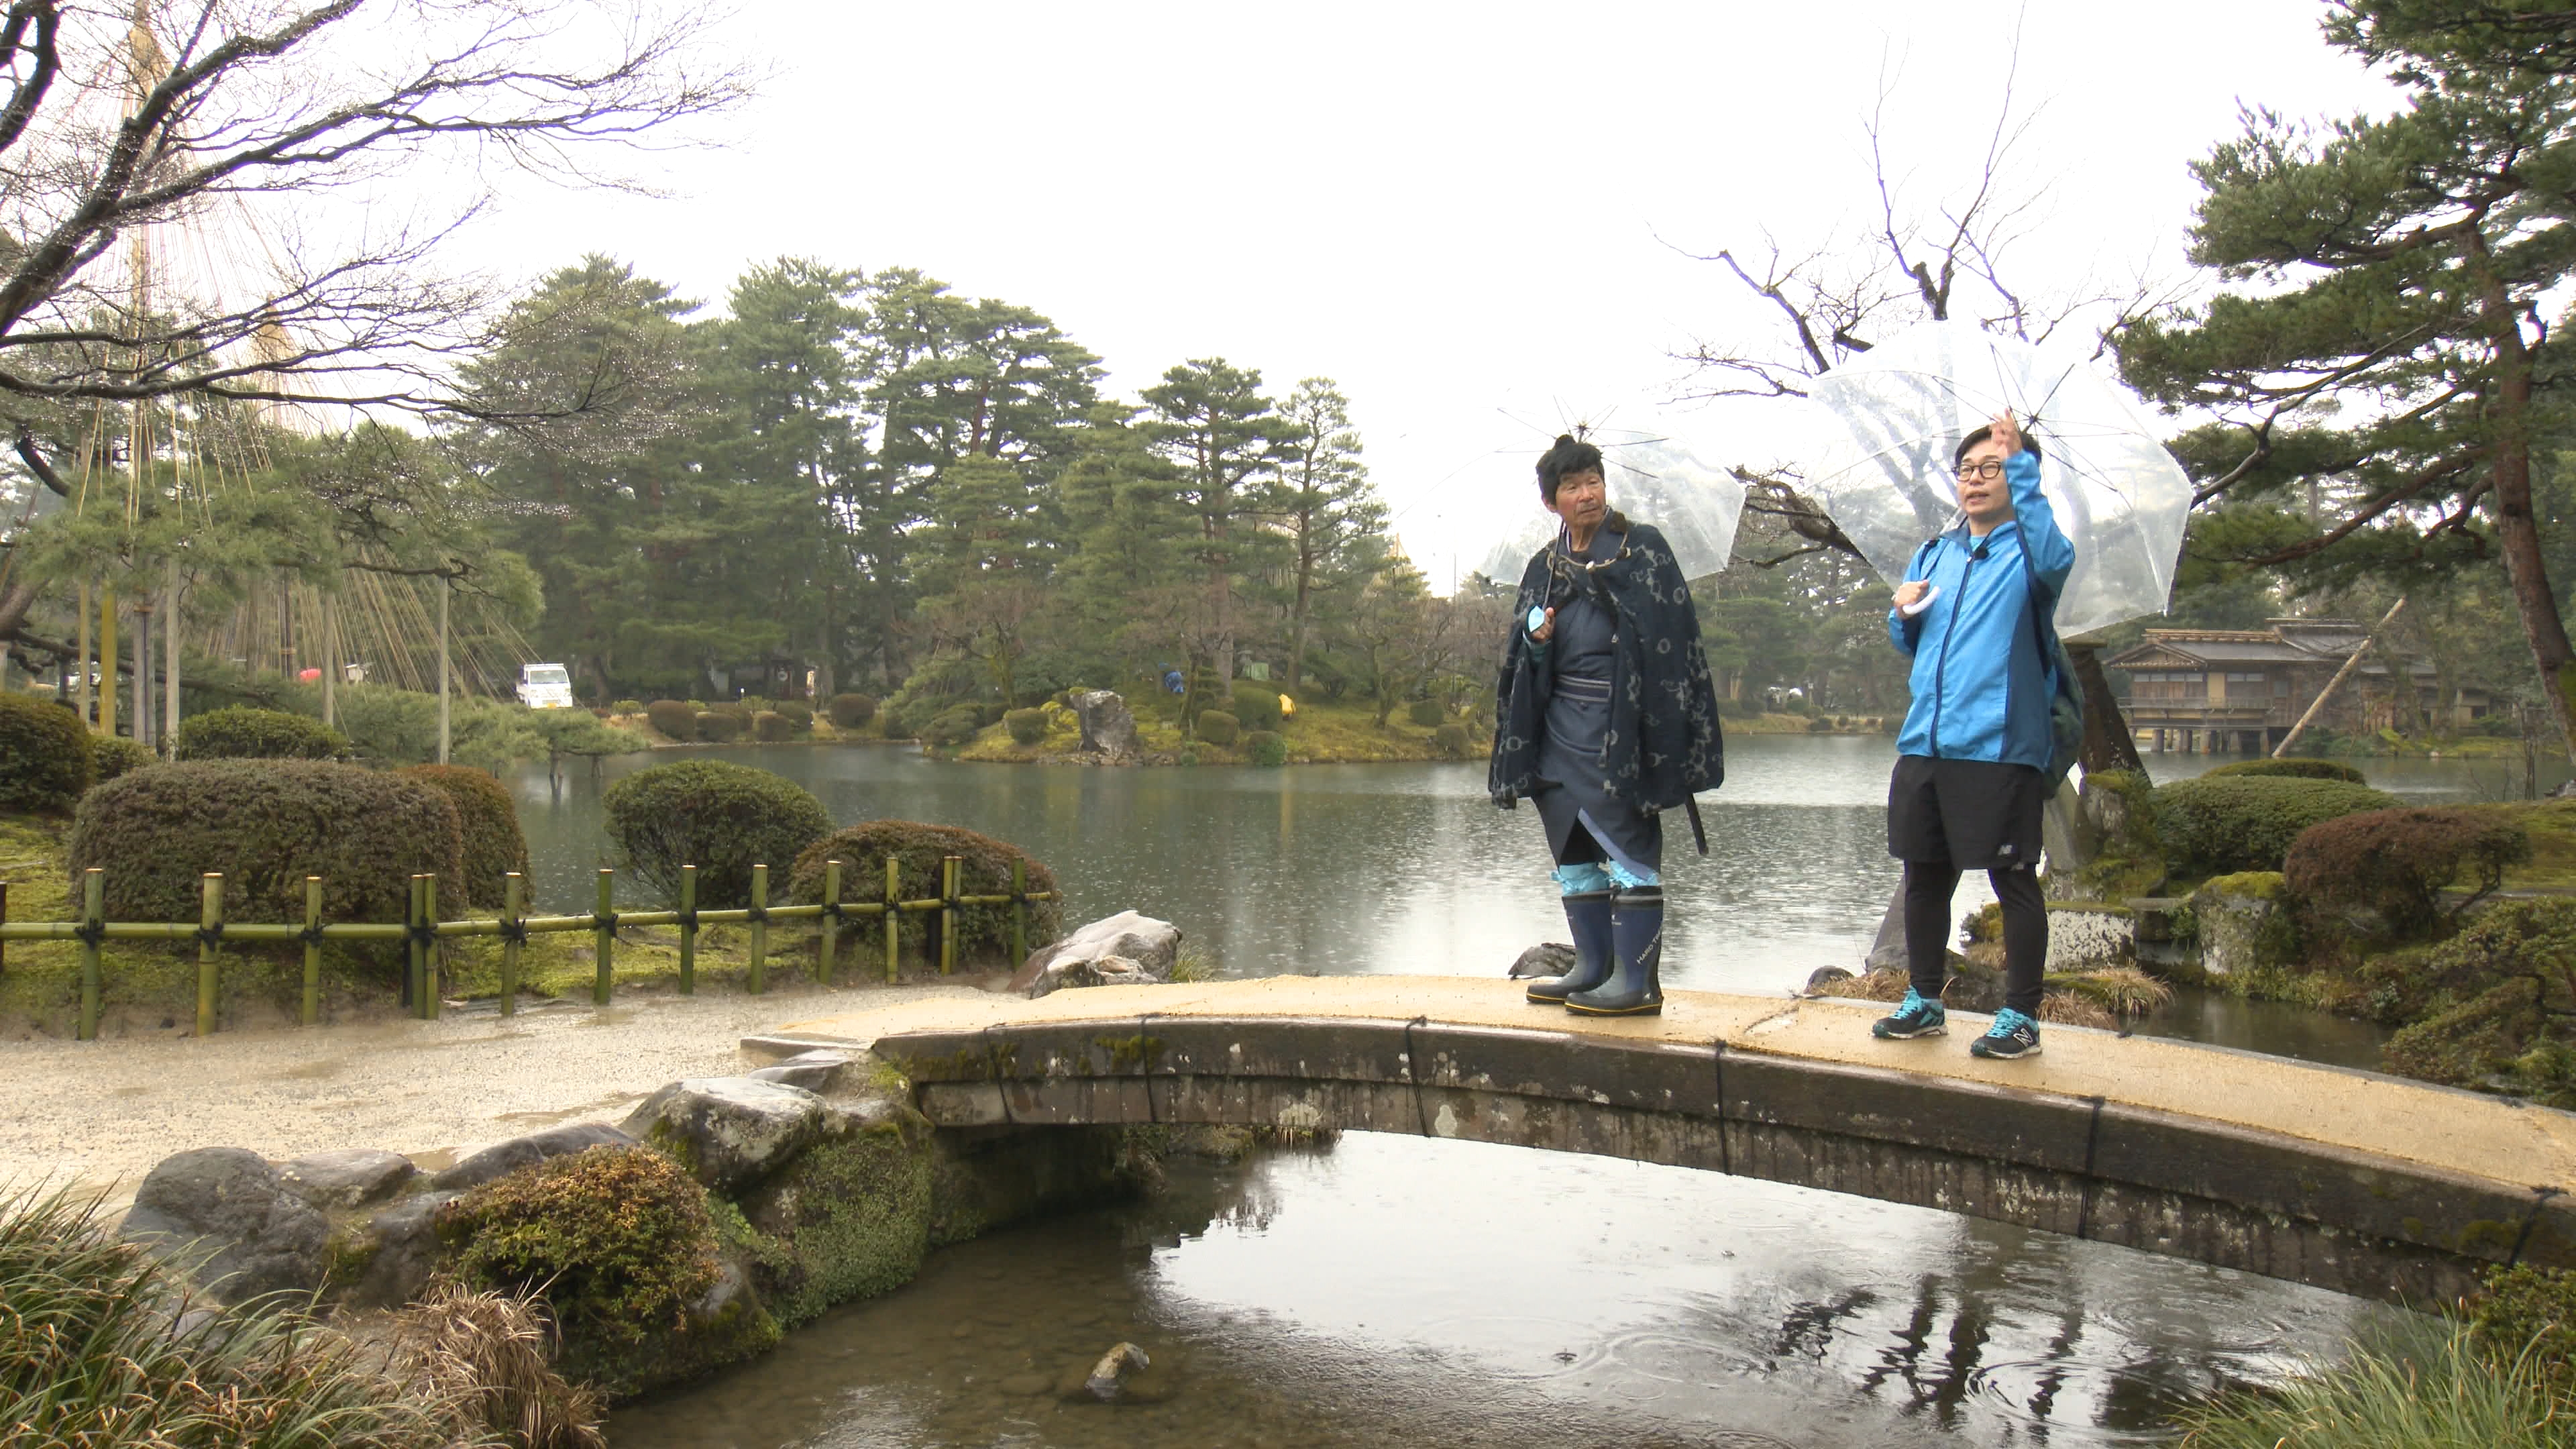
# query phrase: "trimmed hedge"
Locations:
[[2248, 822], [983, 932], [849, 711], [799, 716], [266, 825], [2398, 862], [627, 706], [719, 726], [1426, 713], [1218, 727], [1027, 726], [243, 733], [722, 818], [114, 755], [1451, 741], [45, 760], [675, 718], [769, 726], [954, 725], [1256, 706], [2294, 769], [1265, 747], [487, 819]]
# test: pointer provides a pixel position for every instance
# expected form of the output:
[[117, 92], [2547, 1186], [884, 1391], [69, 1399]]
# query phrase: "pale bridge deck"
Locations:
[[2361, 1183]]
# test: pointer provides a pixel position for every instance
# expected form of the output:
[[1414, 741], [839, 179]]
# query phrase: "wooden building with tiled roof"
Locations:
[[2212, 689]]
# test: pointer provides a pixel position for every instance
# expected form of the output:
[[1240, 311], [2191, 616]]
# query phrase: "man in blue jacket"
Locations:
[[1968, 789]]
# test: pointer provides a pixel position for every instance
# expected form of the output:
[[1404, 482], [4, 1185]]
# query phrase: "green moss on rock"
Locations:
[[849, 1218]]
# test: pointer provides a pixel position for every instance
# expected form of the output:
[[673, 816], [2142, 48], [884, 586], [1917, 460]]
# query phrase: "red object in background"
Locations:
[[308, 675]]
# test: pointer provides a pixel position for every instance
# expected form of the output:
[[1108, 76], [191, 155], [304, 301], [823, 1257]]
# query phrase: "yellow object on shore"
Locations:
[[1287, 707]]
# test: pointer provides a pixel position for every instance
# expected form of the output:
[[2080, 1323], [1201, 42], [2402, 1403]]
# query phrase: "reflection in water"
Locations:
[[1400, 1292]]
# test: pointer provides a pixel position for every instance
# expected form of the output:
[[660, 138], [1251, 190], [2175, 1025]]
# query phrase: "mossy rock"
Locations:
[[848, 1218], [2245, 924], [2472, 1042]]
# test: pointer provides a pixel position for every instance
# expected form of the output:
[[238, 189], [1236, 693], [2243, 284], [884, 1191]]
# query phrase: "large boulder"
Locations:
[[520, 1152], [815, 1071], [227, 1214], [2245, 924], [387, 1262], [1108, 728], [348, 1177], [730, 1132], [1124, 949]]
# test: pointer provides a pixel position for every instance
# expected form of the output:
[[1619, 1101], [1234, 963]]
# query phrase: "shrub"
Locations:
[[1027, 726], [718, 726], [488, 820], [1451, 741], [952, 726], [1265, 747], [2397, 862], [627, 706], [617, 1240], [2295, 769], [88, 1354], [2425, 1381], [799, 716], [849, 711], [983, 931], [242, 733], [1256, 705], [114, 755], [1426, 713], [722, 818], [676, 718], [2525, 1309], [1218, 727], [2222, 826], [769, 726], [266, 825], [1820, 726], [45, 760]]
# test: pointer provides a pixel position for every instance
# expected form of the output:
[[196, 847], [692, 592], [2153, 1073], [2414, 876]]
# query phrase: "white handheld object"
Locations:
[[1921, 604]]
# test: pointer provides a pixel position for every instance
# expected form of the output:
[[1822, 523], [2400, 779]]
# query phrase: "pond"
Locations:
[[1405, 1292]]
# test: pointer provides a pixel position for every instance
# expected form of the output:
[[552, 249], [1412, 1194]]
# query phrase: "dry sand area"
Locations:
[[101, 1113]]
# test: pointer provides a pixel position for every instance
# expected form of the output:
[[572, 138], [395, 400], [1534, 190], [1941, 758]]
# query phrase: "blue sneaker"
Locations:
[[1913, 1017], [2012, 1035]]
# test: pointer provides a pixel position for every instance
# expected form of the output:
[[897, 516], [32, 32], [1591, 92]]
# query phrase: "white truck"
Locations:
[[545, 686]]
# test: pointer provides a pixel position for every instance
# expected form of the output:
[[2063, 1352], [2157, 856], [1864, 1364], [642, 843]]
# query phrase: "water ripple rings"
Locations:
[[1517, 1348]]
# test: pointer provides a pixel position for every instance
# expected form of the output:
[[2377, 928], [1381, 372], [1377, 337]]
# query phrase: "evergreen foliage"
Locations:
[[1265, 747], [2222, 826], [983, 932], [2292, 769], [770, 727], [2397, 863], [487, 819], [1027, 726], [849, 711], [722, 818], [719, 726], [1425, 713], [677, 719], [114, 755], [243, 733], [1217, 727], [45, 759], [1255, 705], [266, 825]]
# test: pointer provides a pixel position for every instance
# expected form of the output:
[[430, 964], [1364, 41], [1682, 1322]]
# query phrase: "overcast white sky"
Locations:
[[1468, 215]]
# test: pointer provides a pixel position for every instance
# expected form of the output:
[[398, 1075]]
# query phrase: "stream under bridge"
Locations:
[[2361, 1183]]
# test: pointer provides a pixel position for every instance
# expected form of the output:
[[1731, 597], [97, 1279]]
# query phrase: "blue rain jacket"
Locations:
[[1981, 688]]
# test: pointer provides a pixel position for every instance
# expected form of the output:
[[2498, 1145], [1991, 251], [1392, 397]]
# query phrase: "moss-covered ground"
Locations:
[[146, 987]]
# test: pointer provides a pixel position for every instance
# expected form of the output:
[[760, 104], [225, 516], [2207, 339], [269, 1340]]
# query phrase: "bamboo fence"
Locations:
[[420, 930]]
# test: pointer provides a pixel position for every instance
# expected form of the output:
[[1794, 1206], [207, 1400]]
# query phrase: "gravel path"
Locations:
[[101, 1113]]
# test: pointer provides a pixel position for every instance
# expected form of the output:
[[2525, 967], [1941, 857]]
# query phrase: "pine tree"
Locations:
[[1333, 518]]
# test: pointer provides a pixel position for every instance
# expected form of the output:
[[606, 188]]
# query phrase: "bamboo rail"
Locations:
[[420, 931]]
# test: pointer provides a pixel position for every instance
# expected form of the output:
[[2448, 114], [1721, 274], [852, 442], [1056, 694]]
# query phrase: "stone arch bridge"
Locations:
[[2347, 1180]]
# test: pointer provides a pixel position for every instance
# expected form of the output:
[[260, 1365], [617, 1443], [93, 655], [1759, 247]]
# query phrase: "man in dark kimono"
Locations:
[[1605, 716]]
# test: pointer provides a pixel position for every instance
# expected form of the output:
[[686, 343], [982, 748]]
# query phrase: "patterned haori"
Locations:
[[1615, 719]]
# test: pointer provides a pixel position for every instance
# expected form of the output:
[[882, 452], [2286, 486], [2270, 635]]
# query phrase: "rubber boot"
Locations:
[[1587, 916], [1635, 987]]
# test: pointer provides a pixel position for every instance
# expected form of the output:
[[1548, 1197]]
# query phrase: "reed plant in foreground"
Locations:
[[103, 1346], [2429, 1384]]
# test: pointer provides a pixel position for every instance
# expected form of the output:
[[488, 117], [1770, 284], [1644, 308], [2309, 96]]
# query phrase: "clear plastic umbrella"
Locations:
[[1653, 479], [1890, 419]]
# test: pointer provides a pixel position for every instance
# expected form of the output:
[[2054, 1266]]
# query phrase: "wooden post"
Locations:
[[93, 922], [893, 914], [514, 909], [688, 930], [311, 1015], [948, 870], [4, 902], [412, 948], [443, 591], [759, 929], [170, 661], [1019, 911], [330, 660], [603, 937], [2350, 663], [107, 660], [80, 666], [210, 925], [143, 670], [431, 949], [823, 944]]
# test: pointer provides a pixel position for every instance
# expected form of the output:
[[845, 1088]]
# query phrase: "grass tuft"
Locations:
[[2424, 1385]]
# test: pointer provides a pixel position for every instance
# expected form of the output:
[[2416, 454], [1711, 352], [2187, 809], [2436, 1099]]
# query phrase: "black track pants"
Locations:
[[1928, 889]]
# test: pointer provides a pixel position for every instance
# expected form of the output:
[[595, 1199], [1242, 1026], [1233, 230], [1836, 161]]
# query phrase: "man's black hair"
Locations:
[[1569, 455], [1980, 435]]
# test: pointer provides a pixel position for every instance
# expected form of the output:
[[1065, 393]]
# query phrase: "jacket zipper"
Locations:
[[1941, 662]]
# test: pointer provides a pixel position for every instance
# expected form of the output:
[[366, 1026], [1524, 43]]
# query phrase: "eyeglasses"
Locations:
[[1989, 471]]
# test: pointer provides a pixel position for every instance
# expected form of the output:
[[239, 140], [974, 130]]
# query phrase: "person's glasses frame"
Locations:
[[1988, 471]]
